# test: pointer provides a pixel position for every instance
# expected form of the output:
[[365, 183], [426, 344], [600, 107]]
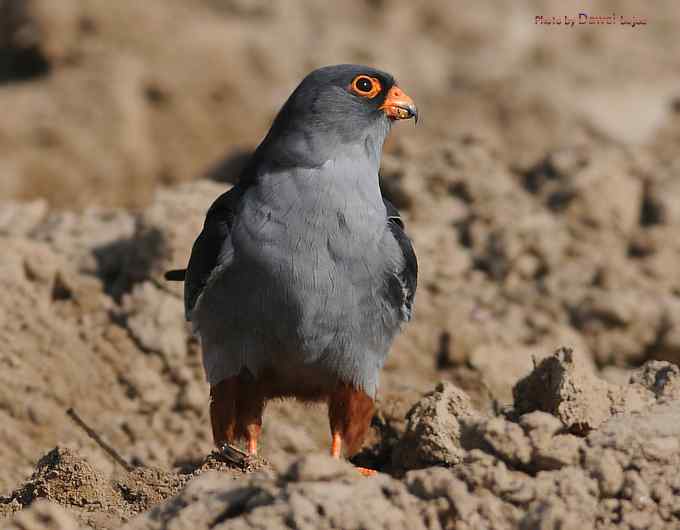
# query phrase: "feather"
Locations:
[[402, 286], [209, 248], [175, 275]]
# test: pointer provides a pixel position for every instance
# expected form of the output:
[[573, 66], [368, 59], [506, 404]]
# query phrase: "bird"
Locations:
[[303, 274]]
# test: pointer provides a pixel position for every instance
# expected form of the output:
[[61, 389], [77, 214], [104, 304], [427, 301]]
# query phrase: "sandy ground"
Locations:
[[537, 386]]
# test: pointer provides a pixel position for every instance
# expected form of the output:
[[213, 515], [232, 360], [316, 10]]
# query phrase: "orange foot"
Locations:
[[366, 472], [336, 450]]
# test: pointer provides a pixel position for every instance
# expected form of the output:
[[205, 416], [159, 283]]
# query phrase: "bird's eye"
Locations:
[[365, 86]]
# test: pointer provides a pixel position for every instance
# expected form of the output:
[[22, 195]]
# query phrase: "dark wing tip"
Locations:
[[398, 220], [176, 275], [392, 213]]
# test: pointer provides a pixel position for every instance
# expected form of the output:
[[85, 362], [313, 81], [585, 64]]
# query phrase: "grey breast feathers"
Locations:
[[212, 249]]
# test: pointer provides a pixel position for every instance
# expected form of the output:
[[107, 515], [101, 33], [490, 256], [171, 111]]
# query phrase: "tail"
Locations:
[[176, 275]]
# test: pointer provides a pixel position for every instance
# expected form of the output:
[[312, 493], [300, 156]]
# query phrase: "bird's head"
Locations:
[[334, 108]]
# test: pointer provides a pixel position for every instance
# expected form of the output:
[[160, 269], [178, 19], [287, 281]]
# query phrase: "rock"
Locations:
[[66, 484], [433, 430], [552, 514], [550, 448], [561, 386], [155, 319], [540, 425], [660, 377], [503, 439], [43, 515], [606, 469], [653, 434], [19, 219], [319, 467], [65, 477], [562, 451], [303, 498]]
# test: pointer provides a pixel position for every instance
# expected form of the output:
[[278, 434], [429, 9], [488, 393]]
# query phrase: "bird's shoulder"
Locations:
[[221, 213], [402, 285]]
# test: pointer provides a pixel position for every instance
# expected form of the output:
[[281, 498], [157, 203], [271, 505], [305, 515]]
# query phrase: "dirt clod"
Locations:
[[433, 429], [582, 401]]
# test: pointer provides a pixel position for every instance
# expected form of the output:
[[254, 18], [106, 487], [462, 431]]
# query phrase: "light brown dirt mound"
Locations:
[[540, 189], [578, 397], [525, 474], [507, 273], [498, 473], [434, 432], [65, 478], [314, 493], [89, 323]]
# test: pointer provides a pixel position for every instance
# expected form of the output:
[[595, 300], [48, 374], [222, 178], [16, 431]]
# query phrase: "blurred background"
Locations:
[[540, 186], [102, 104]]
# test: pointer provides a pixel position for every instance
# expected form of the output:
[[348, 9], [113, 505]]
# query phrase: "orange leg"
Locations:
[[236, 407], [349, 413], [336, 445], [252, 444], [250, 406], [223, 410]]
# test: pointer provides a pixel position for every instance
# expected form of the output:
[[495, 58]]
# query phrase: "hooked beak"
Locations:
[[398, 105]]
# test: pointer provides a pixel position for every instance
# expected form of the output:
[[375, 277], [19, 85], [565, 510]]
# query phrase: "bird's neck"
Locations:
[[345, 181], [309, 146], [343, 192]]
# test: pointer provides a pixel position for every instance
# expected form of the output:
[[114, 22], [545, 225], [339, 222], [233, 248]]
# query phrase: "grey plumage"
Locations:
[[303, 268]]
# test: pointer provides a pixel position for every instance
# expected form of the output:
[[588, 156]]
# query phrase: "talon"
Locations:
[[252, 447], [336, 445]]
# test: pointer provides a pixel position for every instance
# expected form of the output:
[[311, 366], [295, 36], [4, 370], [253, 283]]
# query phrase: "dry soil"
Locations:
[[537, 386]]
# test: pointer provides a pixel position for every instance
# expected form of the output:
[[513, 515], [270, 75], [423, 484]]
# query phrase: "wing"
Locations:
[[402, 286], [212, 247]]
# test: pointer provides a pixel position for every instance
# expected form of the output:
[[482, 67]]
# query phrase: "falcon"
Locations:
[[303, 274]]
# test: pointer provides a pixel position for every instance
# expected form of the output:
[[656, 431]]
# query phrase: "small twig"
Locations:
[[92, 434]]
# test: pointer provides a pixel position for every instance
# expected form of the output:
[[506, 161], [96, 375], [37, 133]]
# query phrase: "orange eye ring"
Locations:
[[366, 87]]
